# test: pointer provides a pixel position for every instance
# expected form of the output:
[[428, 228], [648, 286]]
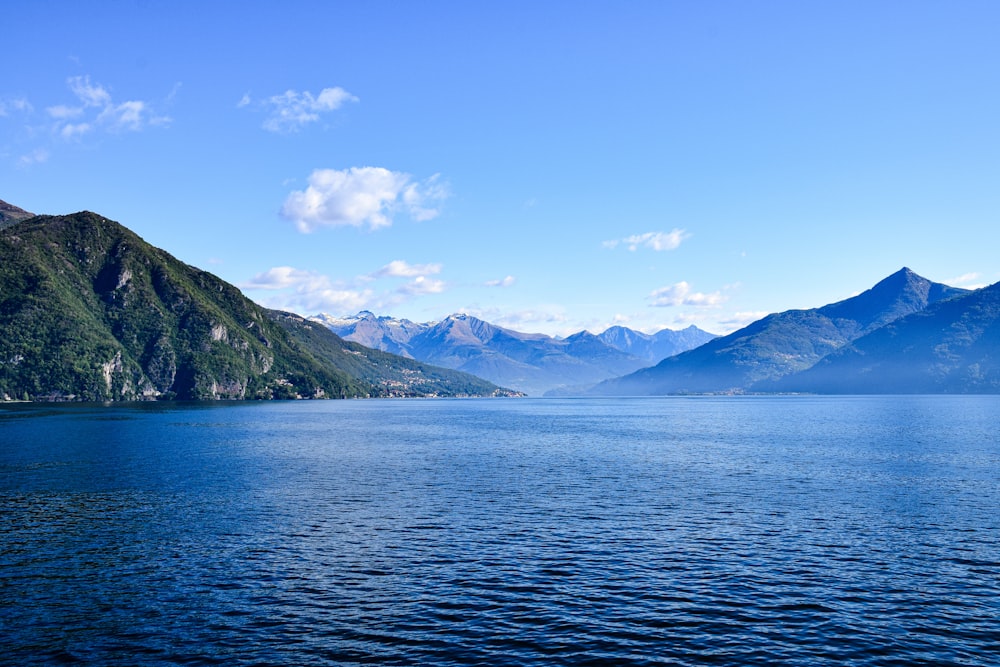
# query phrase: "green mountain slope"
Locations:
[[782, 343], [952, 347], [90, 311]]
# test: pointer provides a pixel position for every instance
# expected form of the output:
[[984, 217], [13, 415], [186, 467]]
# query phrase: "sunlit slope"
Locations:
[[90, 311]]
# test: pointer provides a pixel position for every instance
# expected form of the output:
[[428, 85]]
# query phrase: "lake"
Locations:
[[680, 531]]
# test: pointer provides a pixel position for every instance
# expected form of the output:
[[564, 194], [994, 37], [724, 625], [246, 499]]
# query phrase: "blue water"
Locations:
[[679, 531]]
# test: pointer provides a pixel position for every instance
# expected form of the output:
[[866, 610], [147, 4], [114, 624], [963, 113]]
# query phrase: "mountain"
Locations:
[[382, 333], [388, 374], [951, 347], [782, 343], [655, 347], [532, 363], [90, 311], [9, 214]]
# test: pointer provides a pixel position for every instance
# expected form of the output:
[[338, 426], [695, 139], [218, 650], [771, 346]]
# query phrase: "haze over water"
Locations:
[[687, 531]]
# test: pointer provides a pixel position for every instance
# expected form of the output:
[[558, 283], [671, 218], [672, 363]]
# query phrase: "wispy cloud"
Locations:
[[95, 109], [90, 95], [506, 281], [681, 294], [16, 105], [293, 110], [400, 269], [653, 240], [970, 280], [422, 285], [279, 277], [36, 156], [740, 319], [92, 110], [526, 320], [362, 196], [310, 292]]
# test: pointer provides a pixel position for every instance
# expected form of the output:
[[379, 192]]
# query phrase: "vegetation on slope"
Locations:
[[89, 311]]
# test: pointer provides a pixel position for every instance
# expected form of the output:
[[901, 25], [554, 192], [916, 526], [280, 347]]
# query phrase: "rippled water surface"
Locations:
[[681, 531]]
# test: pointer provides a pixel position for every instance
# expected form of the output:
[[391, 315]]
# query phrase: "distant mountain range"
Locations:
[[90, 311], [904, 335], [532, 363]]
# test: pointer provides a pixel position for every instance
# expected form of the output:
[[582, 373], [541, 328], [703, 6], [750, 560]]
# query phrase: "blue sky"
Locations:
[[548, 166]]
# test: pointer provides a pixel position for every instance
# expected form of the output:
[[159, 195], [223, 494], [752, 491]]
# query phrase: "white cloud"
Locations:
[[96, 109], [400, 269], [279, 277], [126, 116], [73, 130], [653, 240], [89, 95], [309, 292], [292, 110], [680, 294], [361, 196], [421, 199], [422, 285], [970, 280], [62, 111], [506, 281]]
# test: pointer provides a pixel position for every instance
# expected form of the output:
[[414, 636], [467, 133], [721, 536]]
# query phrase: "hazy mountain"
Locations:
[[532, 363], [655, 347], [90, 311], [9, 214], [952, 346], [782, 343]]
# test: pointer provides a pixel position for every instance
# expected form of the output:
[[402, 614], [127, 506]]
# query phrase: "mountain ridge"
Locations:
[[10, 214], [952, 346], [781, 343], [90, 311], [531, 362]]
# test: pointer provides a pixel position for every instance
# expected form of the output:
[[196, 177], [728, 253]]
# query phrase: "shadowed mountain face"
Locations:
[[951, 347], [782, 343], [90, 311], [533, 363]]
